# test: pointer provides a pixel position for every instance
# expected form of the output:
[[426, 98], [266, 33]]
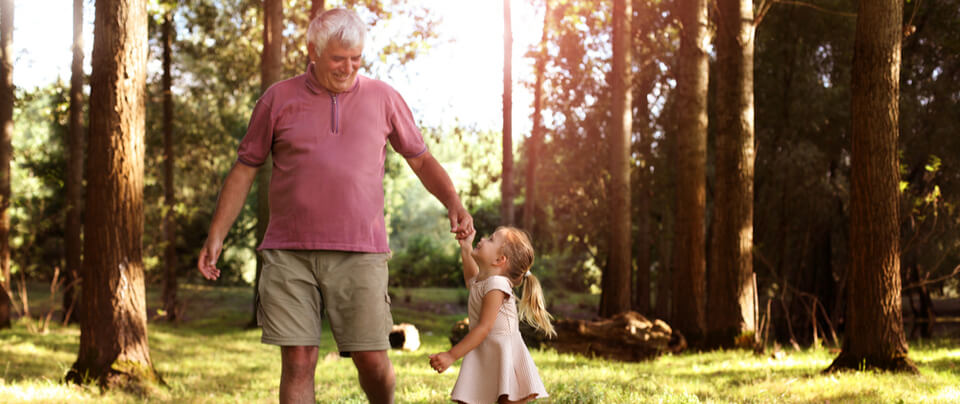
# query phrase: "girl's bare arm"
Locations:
[[488, 314], [470, 268]]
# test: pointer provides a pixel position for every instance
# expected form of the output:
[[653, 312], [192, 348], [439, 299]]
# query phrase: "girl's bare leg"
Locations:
[[505, 400]]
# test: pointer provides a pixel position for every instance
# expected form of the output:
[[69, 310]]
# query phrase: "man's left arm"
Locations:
[[438, 183]]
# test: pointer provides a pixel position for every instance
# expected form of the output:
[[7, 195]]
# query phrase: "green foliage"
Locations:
[[424, 263], [37, 172]]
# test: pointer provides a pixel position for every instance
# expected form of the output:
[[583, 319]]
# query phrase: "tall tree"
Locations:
[[73, 181], [113, 333], [646, 24], [536, 136], [689, 249], [731, 296], [316, 7], [6, 120], [506, 177], [169, 157], [874, 337], [616, 276], [271, 71]]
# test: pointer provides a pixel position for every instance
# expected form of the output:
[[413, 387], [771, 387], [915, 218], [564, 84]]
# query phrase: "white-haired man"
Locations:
[[325, 248]]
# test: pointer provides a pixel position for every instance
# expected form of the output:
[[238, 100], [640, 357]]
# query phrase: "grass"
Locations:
[[212, 358]]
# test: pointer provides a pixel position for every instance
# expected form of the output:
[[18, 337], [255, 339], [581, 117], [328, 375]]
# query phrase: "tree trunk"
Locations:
[[506, 178], [874, 336], [6, 120], [731, 278], [271, 70], [689, 249], [536, 137], [616, 276], [642, 283], [169, 197], [73, 181], [316, 7], [113, 334]]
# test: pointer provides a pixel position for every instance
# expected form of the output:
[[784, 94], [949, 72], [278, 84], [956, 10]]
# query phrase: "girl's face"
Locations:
[[488, 249]]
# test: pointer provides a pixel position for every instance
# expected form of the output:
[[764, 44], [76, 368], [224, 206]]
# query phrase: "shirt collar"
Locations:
[[314, 86]]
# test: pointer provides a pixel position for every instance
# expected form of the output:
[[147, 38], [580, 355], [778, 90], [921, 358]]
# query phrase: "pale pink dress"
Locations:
[[501, 364]]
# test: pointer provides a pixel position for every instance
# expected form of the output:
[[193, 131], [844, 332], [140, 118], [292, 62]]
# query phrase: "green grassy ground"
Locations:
[[211, 358]]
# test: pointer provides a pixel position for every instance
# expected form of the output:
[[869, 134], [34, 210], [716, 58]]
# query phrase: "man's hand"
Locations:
[[207, 263], [229, 203], [441, 361], [461, 223]]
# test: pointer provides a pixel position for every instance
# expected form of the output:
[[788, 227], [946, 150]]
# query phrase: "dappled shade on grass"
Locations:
[[211, 358]]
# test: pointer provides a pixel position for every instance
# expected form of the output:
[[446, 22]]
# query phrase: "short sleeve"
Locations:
[[255, 146], [498, 283], [405, 136]]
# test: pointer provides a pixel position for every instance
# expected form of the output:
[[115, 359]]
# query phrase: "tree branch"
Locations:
[[918, 284], [816, 7]]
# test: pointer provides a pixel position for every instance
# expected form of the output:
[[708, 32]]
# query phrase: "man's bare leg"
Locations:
[[297, 374], [376, 375]]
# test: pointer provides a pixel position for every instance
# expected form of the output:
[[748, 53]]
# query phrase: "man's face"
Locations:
[[336, 68]]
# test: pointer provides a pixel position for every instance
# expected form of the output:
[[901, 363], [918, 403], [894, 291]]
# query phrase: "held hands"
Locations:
[[461, 223], [441, 361], [467, 240]]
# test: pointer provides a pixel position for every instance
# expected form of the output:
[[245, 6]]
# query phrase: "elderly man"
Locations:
[[325, 249]]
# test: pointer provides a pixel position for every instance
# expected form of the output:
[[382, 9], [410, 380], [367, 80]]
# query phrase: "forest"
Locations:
[[765, 177]]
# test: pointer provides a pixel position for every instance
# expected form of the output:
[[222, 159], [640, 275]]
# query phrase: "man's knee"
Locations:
[[373, 363], [299, 359]]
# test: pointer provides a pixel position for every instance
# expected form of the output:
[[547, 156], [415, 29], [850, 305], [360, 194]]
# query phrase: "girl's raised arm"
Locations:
[[470, 268]]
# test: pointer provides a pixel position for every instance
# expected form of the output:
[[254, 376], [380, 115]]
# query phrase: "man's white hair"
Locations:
[[340, 24]]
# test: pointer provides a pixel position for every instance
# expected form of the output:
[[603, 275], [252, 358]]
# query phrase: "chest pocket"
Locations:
[[301, 126]]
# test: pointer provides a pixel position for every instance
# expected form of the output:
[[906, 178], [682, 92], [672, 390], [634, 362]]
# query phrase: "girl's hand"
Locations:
[[467, 240], [441, 361]]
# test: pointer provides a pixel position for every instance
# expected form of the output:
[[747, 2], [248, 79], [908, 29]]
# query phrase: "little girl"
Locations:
[[497, 366]]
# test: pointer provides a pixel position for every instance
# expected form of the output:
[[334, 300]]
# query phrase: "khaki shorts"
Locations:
[[297, 286]]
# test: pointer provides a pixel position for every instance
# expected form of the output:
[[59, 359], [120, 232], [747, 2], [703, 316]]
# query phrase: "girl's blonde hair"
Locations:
[[519, 253]]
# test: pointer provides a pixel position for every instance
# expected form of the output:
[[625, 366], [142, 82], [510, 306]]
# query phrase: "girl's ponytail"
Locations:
[[519, 252], [532, 309]]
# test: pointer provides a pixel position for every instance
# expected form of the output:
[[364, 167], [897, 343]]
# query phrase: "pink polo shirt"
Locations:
[[326, 191]]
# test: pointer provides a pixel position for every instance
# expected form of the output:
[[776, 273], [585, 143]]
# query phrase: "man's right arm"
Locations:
[[231, 200]]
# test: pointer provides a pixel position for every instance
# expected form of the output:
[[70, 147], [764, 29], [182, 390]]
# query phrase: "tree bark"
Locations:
[[73, 181], [271, 71], [6, 151], [536, 137], [643, 85], [169, 197], [731, 262], [113, 334], [506, 178], [616, 277], [689, 249], [874, 337], [316, 7]]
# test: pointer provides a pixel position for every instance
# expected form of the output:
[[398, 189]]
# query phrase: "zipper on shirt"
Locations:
[[335, 122]]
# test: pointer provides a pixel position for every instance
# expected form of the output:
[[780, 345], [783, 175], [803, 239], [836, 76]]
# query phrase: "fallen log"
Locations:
[[628, 337]]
